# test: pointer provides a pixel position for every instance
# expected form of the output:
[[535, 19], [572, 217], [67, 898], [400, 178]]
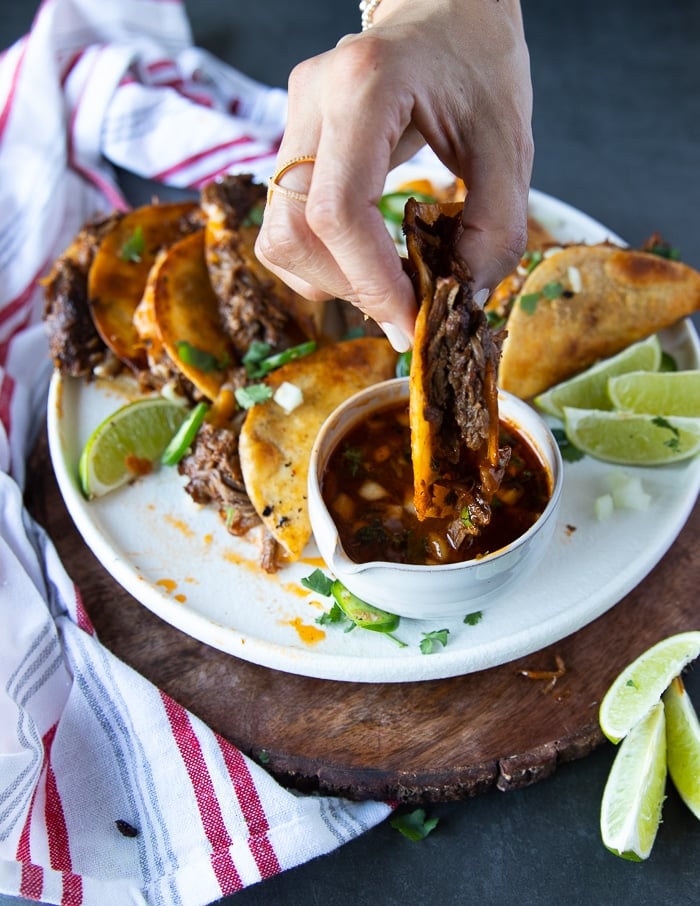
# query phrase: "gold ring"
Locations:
[[273, 184]]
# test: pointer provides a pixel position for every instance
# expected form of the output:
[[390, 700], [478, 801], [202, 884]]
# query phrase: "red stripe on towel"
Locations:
[[252, 808], [203, 788]]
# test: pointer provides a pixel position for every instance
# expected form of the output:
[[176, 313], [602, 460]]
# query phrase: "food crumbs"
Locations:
[[181, 599], [310, 635], [168, 584], [551, 676]]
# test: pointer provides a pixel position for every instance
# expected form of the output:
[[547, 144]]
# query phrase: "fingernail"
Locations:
[[480, 297], [396, 337]]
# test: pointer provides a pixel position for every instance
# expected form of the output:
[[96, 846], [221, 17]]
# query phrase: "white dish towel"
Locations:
[[110, 792]]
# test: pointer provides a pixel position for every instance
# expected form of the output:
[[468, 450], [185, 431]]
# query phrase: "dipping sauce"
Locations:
[[368, 488]]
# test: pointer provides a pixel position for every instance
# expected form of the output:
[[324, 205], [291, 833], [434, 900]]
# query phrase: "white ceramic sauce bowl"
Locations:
[[427, 592]]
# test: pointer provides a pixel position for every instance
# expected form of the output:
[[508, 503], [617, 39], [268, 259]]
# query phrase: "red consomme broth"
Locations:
[[367, 486]]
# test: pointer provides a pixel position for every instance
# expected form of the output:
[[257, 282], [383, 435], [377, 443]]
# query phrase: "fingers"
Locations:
[[336, 243]]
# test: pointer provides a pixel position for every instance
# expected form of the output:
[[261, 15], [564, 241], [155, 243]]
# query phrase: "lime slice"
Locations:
[[630, 810], [660, 392], [128, 444], [632, 439], [642, 683], [588, 390], [683, 744]]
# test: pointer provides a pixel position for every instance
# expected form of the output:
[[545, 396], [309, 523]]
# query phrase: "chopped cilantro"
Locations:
[[465, 517], [134, 246], [668, 363], [664, 250], [264, 756], [318, 582], [568, 451], [552, 290], [674, 442], [249, 396], [414, 825], [631, 683], [432, 640], [335, 616], [353, 459], [495, 320], [403, 364], [529, 301], [531, 259], [472, 619]]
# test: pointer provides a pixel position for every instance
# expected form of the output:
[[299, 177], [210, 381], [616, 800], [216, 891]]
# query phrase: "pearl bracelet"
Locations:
[[368, 9]]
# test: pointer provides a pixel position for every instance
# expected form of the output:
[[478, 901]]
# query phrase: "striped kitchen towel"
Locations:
[[110, 792]]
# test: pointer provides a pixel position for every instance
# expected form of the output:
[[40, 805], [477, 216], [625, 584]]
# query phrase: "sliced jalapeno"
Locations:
[[361, 613], [181, 442]]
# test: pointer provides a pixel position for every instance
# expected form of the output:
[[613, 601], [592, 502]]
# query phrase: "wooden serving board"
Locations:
[[412, 742]]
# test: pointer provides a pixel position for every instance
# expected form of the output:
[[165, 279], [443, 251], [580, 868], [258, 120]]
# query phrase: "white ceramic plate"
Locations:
[[177, 559]]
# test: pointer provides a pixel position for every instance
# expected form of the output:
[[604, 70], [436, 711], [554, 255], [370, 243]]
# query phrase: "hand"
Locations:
[[452, 73]]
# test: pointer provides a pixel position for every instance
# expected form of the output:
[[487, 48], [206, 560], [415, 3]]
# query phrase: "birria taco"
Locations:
[[585, 303]]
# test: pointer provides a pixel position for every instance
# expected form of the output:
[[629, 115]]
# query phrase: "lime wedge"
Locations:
[[683, 744], [660, 392], [588, 390], [642, 683], [128, 444], [630, 810], [632, 439]]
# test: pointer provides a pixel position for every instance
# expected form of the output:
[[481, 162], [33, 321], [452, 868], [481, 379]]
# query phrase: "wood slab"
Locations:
[[412, 742]]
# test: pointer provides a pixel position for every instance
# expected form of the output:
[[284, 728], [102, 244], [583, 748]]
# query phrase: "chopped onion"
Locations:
[[553, 250], [575, 281], [371, 490], [627, 491], [604, 507], [288, 396]]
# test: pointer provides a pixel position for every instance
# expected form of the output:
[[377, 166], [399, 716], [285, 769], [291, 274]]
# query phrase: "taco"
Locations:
[[586, 303], [274, 447]]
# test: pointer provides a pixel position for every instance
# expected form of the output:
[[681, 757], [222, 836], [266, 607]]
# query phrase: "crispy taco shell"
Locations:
[[624, 296], [274, 447], [120, 269], [453, 399], [186, 313]]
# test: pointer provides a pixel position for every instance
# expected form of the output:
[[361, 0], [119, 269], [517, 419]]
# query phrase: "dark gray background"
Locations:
[[617, 134]]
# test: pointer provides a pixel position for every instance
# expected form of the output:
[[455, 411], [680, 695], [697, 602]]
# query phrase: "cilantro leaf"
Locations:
[[432, 640], [134, 246], [249, 396], [319, 582], [472, 619], [674, 442], [552, 290], [668, 363], [414, 825], [531, 259], [529, 301], [403, 364], [335, 616], [568, 451], [199, 358]]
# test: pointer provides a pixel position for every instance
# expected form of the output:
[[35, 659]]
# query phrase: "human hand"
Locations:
[[452, 73]]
